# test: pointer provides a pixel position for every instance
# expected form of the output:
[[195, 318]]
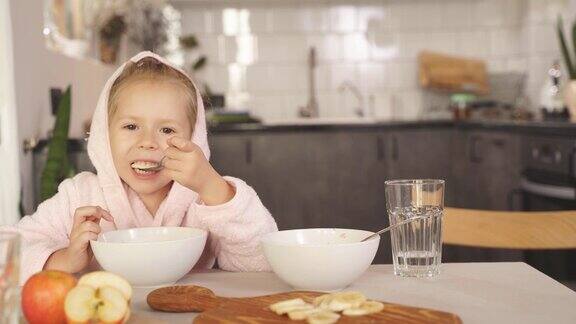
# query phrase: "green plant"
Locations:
[[570, 65], [190, 42], [58, 165]]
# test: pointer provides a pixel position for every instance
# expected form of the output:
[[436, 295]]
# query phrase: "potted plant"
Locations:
[[58, 166], [110, 36], [570, 62], [194, 61], [150, 24]]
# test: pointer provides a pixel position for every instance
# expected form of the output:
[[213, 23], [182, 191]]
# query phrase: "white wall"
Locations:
[[36, 70], [257, 49], [9, 171]]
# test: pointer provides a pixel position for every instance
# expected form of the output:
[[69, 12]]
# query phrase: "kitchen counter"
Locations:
[[476, 292], [310, 126], [535, 127], [530, 127]]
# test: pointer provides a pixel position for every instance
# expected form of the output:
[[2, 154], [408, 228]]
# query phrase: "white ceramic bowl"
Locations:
[[150, 256], [325, 259]]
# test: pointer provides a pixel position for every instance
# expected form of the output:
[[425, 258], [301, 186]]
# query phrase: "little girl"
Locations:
[[149, 114]]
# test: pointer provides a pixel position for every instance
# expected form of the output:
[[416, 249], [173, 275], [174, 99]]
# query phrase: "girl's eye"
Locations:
[[167, 130], [130, 127]]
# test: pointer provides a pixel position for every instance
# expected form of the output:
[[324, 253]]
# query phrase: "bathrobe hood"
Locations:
[[116, 193]]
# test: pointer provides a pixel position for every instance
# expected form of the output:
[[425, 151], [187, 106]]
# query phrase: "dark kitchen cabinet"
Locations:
[[336, 178], [486, 174], [487, 170], [313, 179], [424, 154], [230, 154]]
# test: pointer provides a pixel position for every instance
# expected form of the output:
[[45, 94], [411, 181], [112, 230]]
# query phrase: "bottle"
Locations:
[[551, 102]]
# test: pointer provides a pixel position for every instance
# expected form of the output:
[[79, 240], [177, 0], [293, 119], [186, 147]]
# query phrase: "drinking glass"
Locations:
[[416, 246], [9, 276]]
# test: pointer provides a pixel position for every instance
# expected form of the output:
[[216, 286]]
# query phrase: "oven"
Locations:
[[548, 183]]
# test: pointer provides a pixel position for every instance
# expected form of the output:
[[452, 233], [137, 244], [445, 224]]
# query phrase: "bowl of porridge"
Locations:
[[150, 256], [324, 259]]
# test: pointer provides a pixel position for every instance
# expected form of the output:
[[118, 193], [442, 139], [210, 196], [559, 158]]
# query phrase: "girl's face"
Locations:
[[148, 114]]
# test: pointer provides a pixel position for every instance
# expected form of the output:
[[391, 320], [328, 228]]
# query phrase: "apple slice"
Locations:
[[98, 279], [113, 308], [84, 304], [80, 304]]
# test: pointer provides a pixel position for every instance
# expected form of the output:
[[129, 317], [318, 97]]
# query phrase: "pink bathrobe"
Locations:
[[235, 227]]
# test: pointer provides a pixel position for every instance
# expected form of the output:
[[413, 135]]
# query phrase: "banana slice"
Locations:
[[323, 317], [290, 305], [323, 301], [295, 308], [345, 300], [368, 307], [289, 302], [303, 314], [325, 308]]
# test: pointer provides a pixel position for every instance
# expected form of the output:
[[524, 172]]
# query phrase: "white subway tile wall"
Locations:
[[258, 50]]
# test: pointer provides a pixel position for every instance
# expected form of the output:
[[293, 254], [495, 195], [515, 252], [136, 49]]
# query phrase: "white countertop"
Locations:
[[477, 292]]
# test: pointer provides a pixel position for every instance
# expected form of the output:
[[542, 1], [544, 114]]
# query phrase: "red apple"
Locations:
[[43, 296]]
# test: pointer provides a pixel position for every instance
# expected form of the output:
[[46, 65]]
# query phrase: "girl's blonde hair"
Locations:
[[150, 69]]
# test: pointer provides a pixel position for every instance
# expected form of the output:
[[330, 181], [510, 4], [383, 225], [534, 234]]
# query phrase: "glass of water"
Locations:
[[9, 276], [416, 246]]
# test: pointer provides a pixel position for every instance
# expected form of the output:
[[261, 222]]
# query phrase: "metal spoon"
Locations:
[[159, 167], [404, 222]]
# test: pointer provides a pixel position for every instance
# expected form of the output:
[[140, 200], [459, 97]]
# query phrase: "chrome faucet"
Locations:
[[359, 110], [311, 108]]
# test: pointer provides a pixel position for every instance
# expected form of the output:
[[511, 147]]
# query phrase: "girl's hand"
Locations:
[[186, 164], [86, 227]]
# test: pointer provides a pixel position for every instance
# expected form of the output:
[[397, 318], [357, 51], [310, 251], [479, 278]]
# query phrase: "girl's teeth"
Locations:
[[143, 165], [140, 171]]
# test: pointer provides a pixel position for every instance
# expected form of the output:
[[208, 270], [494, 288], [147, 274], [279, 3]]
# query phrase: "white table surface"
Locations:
[[477, 292]]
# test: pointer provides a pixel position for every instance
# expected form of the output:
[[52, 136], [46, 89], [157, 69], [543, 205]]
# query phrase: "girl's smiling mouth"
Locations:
[[145, 169]]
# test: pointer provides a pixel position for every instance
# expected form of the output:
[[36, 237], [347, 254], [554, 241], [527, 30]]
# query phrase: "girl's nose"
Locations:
[[148, 142]]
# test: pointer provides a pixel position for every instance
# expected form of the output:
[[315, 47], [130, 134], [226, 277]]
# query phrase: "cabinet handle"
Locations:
[[395, 149], [379, 148], [473, 150], [511, 195], [572, 162], [248, 151]]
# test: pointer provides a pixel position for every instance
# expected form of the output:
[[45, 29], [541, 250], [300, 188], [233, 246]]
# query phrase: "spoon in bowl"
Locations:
[[404, 222]]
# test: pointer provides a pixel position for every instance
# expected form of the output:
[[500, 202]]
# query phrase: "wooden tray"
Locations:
[[216, 309]]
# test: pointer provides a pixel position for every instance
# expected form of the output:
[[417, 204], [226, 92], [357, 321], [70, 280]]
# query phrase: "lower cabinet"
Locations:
[[313, 179]]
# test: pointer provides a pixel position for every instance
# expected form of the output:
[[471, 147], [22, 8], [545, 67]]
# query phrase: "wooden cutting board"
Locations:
[[216, 309], [451, 73]]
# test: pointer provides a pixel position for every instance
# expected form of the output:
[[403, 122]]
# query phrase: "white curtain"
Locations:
[[9, 151]]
